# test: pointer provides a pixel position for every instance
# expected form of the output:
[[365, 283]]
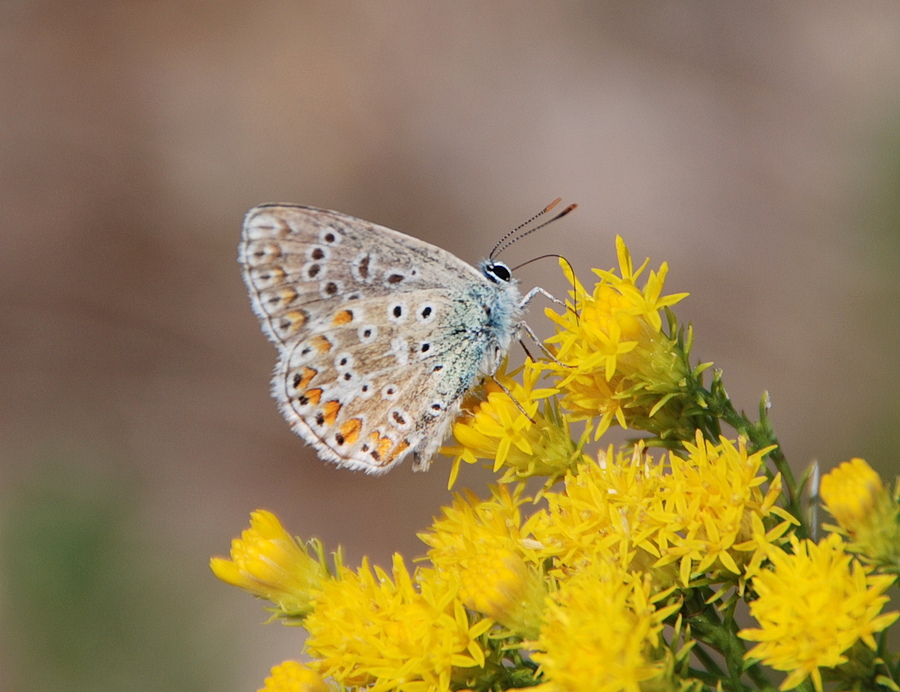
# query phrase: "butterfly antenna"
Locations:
[[574, 308], [501, 246], [523, 224]]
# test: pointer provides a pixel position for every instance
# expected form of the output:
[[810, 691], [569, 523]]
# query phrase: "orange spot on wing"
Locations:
[[330, 410], [306, 377], [295, 318], [384, 446], [313, 395], [350, 430], [342, 317], [373, 445], [321, 344], [268, 275], [288, 296], [402, 446]]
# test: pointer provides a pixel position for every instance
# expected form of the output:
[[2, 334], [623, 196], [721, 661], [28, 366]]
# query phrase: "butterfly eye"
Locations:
[[497, 272]]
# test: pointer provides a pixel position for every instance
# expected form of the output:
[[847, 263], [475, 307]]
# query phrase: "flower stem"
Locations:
[[759, 434], [709, 629]]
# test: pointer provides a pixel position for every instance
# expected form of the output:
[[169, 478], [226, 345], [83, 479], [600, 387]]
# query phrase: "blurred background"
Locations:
[[755, 147]]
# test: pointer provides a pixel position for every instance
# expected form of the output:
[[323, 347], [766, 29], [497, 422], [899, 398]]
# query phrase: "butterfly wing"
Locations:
[[379, 334]]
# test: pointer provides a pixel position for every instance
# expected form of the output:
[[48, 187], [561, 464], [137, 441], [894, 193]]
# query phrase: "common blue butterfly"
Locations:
[[379, 334]]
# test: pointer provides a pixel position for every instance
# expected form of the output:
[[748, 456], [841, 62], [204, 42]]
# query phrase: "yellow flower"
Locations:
[[291, 676], [602, 515], [499, 584], [866, 512], [851, 492], [269, 563], [813, 606], [613, 358], [494, 427], [710, 503], [602, 633], [392, 633], [481, 543], [706, 515]]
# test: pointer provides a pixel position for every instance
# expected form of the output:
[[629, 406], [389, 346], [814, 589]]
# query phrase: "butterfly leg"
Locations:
[[514, 400], [535, 291], [524, 327]]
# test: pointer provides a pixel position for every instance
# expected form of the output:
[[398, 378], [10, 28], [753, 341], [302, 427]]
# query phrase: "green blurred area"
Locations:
[[89, 599]]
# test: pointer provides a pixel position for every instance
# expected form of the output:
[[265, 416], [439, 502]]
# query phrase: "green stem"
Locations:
[[709, 629], [708, 662], [760, 435]]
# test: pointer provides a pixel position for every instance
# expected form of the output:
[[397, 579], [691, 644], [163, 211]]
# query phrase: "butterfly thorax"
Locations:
[[502, 313]]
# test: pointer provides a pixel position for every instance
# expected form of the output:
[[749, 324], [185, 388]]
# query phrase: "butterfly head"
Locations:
[[496, 272]]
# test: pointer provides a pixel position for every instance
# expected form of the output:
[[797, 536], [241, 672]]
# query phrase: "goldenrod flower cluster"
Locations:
[[813, 606], [867, 514], [626, 566]]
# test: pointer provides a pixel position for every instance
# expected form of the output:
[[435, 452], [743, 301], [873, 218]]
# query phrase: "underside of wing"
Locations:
[[377, 380], [370, 327], [295, 259]]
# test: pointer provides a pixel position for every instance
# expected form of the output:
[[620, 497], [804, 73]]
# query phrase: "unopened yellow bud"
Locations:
[[269, 563], [500, 585], [291, 676], [866, 512], [850, 493]]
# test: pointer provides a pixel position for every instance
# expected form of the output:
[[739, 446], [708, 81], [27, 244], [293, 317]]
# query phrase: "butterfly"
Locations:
[[379, 335]]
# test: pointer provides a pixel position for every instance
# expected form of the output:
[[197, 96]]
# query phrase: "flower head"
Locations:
[[813, 606], [717, 517], [613, 359], [392, 632], [482, 544], [270, 563], [505, 425], [291, 676], [602, 515], [602, 633], [704, 515], [865, 511], [851, 492]]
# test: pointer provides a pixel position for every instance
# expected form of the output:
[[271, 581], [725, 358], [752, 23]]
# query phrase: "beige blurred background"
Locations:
[[755, 147]]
